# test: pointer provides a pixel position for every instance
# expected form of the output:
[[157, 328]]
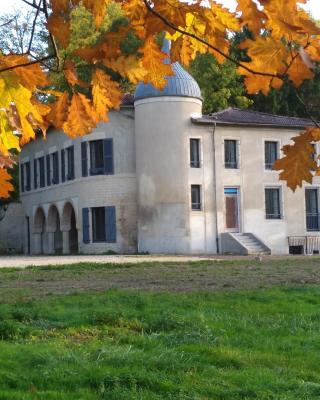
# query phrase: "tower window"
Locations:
[[195, 153], [196, 197]]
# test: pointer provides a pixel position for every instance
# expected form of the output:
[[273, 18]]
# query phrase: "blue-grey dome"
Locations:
[[180, 84]]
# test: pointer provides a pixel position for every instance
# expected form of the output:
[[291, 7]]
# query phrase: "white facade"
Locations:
[[143, 203]]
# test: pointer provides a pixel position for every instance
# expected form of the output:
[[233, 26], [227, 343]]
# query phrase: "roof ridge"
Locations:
[[265, 113]]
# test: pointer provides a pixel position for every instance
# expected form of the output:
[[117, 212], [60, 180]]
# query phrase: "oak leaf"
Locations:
[[5, 186]]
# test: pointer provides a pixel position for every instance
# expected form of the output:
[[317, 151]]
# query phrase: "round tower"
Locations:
[[162, 131]]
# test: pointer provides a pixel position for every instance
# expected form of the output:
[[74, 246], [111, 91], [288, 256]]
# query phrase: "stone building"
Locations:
[[162, 178]]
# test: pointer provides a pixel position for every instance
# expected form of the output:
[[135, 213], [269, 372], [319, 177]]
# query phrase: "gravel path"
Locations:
[[24, 261]]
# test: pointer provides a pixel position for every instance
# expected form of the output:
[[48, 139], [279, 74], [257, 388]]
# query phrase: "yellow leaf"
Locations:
[[8, 140], [129, 67]]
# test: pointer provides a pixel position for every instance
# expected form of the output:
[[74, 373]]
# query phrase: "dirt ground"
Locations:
[[208, 275]]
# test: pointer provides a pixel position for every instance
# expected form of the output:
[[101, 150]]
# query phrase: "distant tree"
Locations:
[[221, 86]]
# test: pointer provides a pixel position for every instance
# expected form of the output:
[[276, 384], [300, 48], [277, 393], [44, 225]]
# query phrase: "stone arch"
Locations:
[[54, 231], [39, 229], [69, 228], [39, 220]]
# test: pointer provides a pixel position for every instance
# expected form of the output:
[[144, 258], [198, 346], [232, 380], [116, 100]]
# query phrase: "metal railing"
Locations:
[[313, 221], [310, 244]]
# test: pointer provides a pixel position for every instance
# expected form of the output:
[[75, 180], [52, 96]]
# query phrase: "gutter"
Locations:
[[215, 185], [206, 122]]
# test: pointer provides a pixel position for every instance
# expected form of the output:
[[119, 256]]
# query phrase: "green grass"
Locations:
[[130, 344]]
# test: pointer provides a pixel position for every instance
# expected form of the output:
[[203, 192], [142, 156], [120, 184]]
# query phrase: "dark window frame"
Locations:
[[98, 233], [42, 175], [55, 168], [70, 163], [196, 198], [231, 156], [273, 211], [312, 216], [195, 152], [269, 159], [94, 169], [27, 170]]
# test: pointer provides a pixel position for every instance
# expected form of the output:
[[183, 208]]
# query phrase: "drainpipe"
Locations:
[[215, 185]]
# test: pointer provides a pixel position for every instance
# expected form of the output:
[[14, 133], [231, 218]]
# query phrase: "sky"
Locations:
[[313, 6]]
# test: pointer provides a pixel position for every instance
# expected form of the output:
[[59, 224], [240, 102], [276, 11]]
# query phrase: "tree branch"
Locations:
[[37, 61], [34, 26], [33, 5], [316, 123], [199, 39], [53, 41]]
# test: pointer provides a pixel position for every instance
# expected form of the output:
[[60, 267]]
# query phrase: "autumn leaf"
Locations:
[[129, 67], [297, 163], [106, 94], [152, 61], [5, 186], [59, 111], [81, 117]]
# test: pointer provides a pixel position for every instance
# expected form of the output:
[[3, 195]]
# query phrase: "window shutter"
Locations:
[[111, 224], [55, 166], [35, 173], [84, 159], [63, 166], [72, 162], [42, 172], [28, 176], [22, 177], [48, 170], [85, 225], [108, 156]]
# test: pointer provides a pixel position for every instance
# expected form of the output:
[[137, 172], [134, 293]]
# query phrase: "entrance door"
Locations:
[[232, 209]]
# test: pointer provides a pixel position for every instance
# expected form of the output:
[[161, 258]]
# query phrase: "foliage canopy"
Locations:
[[284, 47]]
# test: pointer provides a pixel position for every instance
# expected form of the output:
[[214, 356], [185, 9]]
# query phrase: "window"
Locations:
[[196, 197], [270, 154], [55, 168], [272, 200], [22, 177], [42, 172], [70, 163], [98, 224], [230, 154], [312, 210], [96, 157], [101, 157], [195, 153]]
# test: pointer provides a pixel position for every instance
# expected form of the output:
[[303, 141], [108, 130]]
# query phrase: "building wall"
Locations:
[[93, 191], [166, 223], [251, 179], [11, 234]]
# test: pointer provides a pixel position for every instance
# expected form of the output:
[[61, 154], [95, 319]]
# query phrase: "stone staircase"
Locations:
[[243, 244]]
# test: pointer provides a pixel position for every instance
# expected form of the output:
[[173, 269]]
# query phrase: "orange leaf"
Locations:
[[297, 163], [5, 185], [59, 111], [60, 28], [81, 117], [106, 94], [153, 62]]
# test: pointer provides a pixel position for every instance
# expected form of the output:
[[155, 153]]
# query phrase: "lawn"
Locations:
[[81, 332]]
